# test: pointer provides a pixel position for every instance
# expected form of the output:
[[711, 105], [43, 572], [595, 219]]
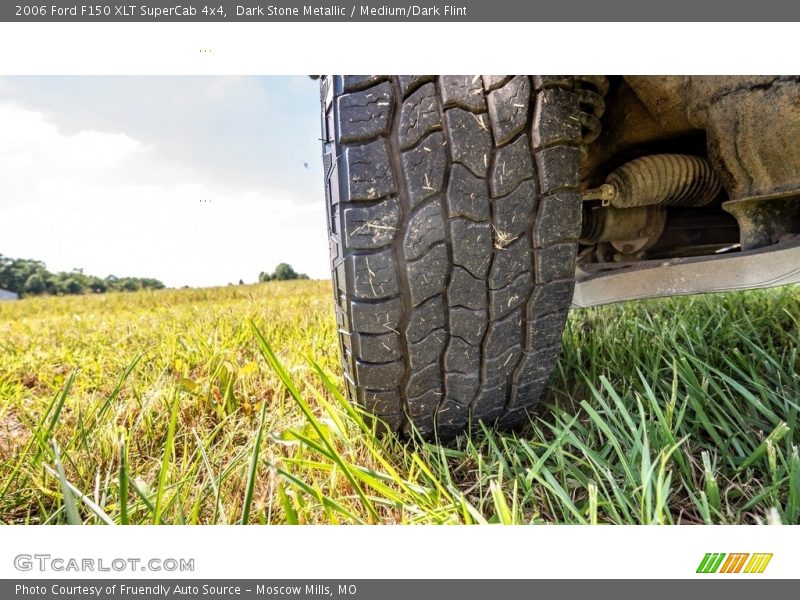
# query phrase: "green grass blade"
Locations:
[[219, 507], [774, 437], [124, 487], [166, 461], [253, 470], [73, 518]]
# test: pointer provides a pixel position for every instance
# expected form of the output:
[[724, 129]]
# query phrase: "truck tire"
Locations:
[[453, 214]]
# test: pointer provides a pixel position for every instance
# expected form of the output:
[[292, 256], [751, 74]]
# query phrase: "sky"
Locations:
[[197, 181]]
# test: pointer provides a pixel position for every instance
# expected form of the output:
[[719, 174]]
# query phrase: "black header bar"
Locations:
[[403, 10]]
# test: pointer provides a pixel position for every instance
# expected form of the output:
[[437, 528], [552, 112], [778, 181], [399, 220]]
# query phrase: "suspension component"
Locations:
[[629, 231], [591, 98], [764, 221], [659, 180]]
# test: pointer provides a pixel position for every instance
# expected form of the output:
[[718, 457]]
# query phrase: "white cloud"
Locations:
[[26, 134], [109, 203]]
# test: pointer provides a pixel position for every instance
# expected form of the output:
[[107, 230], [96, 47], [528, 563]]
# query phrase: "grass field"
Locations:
[[224, 406]]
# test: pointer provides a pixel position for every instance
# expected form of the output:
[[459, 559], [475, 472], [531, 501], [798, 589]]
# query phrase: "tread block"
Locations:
[[379, 375], [514, 213], [386, 423], [461, 387], [378, 317], [451, 418], [467, 195], [550, 297], [490, 402], [536, 366], [424, 379], [510, 262], [366, 114], [514, 417], [489, 417], [368, 227], [512, 165], [464, 290], [354, 83], [425, 228], [502, 335], [334, 214], [515, 294], [339, 275], [541, 82], [425, 318], [465, 91], [555, 262], [419, 116], [382, 347], [348, 369], [497, 369], [508, 108], [471, 246], [424, 405], [425, 425], [546, 327], [470, 140], [427, 350], [555, 118], [370, 171], [383, 402], [526, 394], [408, 83], [558, 168], [469, 325], [462, 357], [341, 315], [559, 220], [424, 167], [372, 276], [492, 82], [427, 276], [334, 246]]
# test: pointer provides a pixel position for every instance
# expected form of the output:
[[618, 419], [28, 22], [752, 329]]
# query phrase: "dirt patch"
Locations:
[[12, 435]]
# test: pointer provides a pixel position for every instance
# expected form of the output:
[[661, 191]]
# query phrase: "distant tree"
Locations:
[[148, 283], [97, 285], [129, 284], [52, 284], [35, 285], [283, 272], [73, 286]]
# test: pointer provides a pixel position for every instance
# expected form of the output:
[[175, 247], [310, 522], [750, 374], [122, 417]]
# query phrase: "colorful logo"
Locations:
[[738, 562]]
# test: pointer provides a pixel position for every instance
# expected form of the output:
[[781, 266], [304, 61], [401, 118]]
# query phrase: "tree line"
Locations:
[[28, 277]]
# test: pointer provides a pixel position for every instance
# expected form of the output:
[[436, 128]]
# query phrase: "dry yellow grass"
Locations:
[[681, 410]]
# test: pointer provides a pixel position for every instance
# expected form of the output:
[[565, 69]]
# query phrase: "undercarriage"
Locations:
[[690, 185]]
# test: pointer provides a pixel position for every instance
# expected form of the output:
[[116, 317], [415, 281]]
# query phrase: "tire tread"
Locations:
[[453, 215]]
